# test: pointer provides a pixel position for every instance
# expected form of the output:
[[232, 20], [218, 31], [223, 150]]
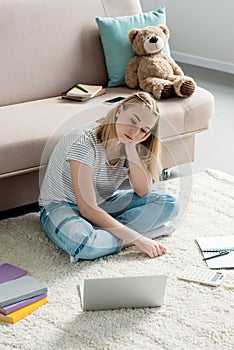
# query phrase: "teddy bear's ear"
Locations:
[[165, 30], [132, 34]]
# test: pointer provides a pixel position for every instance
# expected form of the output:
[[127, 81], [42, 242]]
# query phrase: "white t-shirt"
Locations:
[[83, 146]]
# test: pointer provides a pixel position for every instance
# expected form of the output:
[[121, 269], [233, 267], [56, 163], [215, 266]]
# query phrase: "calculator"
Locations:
[[201, 275]]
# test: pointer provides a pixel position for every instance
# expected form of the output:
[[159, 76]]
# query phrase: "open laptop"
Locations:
[[122, 292]]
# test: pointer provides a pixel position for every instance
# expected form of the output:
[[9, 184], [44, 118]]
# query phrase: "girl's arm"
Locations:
[[139, 176], [86, 201]]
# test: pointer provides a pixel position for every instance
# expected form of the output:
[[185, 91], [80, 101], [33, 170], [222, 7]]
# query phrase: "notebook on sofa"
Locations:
[[211, 246], [83, 93]]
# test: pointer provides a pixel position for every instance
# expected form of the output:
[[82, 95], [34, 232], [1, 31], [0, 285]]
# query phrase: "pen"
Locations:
[[216, 256], [81, 88], [216, 251]]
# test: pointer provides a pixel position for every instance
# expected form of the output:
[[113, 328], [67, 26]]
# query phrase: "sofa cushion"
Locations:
[[28, 126], [116, 46]]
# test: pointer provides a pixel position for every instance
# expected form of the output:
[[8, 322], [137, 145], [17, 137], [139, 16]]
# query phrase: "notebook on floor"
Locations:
[[122, 292], [212, 246]]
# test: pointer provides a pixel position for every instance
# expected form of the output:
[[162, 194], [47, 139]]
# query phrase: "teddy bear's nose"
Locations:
[[153, 39]]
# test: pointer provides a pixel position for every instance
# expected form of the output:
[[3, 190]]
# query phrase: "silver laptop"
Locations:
[[122, 292]]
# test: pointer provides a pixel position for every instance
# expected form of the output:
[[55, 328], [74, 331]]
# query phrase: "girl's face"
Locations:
[[134, 123]]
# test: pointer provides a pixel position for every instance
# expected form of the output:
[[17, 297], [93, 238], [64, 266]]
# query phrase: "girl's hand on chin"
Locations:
[[122, 142], [127, 142]]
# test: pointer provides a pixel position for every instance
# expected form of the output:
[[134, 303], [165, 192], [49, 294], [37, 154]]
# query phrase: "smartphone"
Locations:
[[114, 100]]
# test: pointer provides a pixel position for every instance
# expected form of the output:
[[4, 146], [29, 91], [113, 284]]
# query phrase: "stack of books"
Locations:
[[83, 92], [20, 294]]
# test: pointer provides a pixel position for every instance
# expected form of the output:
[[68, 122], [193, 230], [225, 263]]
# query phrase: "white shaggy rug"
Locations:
[[193, 316]]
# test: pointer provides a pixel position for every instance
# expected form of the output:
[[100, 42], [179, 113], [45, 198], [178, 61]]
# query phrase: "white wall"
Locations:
[[202, 31]]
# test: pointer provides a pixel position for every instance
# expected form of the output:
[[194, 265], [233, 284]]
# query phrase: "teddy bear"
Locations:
[[153, 71]]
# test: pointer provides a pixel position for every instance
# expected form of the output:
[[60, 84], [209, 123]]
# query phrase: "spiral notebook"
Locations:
[[212, 245]]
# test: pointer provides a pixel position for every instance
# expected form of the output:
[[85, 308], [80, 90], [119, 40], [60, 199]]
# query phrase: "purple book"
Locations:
[[16, 306], [10, 272]]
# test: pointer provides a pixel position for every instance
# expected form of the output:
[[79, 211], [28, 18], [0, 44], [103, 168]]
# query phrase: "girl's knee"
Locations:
[[156, 197], [176, 207], [172, 206], [100, 244], [168, 202]]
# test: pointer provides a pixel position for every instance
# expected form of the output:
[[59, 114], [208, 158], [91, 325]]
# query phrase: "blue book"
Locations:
[[20, 289]]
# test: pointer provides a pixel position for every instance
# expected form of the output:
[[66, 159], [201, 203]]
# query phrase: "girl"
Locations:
[[82, 210]]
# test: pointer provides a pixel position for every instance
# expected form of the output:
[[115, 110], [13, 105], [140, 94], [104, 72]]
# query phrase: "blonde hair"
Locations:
[[149, 149]]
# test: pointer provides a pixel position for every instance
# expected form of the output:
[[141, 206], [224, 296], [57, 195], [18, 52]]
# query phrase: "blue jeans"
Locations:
[[75, 235]]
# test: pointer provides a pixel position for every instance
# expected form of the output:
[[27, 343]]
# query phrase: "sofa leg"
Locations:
[[166, 174]]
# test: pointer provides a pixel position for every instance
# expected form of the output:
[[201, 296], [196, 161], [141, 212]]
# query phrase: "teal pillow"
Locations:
[[116, 46]]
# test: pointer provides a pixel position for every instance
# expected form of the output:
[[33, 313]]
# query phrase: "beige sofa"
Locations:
[[47, 46]]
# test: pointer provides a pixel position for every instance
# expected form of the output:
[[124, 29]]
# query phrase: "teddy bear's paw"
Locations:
[[187, 88], [167, 91]]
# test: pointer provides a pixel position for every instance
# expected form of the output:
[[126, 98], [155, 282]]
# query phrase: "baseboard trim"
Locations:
[[203, 62]]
